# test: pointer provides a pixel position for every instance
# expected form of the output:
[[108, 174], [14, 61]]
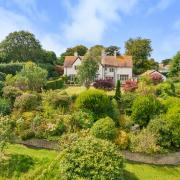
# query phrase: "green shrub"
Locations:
[[56, 99], [55, 84], [145, 141], [82, 120], [170, 102], [88, 158], [11, 93], [122, 139], [1, 87], [144, 109], [57, 129], [165, 89], [2, 76], [13, 166], [5, 106], [11, 68], [127, 100], [27, 102], [98, 103], [104, 128]]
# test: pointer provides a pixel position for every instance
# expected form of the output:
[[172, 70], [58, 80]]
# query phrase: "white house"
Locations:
[[110, 67]]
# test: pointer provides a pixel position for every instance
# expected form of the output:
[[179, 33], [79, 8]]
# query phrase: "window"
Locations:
[[111, 69], [75, 67], [123, 77]]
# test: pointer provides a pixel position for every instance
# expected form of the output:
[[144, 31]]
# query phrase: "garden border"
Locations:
[[156, 159]]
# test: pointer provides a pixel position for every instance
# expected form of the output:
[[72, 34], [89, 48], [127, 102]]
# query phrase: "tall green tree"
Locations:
[[118, 91], [111, 49], [80, 49], [140, 50], [175, 66], [97, 50], [20, 46], [88, 68]]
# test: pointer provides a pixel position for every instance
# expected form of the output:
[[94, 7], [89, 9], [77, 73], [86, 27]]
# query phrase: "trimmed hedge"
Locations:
[[55, 84], [11, 68]]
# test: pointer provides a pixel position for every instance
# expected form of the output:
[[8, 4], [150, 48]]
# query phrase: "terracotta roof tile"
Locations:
[[69, 60]]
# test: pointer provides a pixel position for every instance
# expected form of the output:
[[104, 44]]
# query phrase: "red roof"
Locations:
[[119, 61]]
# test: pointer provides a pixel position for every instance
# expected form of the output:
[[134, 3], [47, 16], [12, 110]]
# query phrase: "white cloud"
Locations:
[[91, 18], [160, 6]]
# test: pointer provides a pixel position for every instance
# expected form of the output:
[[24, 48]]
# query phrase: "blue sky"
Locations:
[[59, 24]]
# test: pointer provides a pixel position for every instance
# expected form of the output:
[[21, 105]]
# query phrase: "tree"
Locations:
[[175, 66], [97, 50], [111, 49], [80, 49], [21, 46], [48, 57], [118, 91], [140, 49], [166, 61], [88, 69]]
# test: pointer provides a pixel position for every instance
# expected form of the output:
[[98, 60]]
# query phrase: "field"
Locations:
[[133, 171]]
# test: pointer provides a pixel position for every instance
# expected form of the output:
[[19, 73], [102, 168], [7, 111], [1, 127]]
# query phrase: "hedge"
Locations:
[[55, 84], [11, 68]]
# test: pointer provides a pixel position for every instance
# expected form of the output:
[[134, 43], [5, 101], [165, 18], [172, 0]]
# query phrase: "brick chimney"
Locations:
[[115, 54]]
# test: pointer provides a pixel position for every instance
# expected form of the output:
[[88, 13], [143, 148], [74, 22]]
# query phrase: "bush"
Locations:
[[82, 120], [167, 128], [1, 87], [11, 93], [55, 84], [106, 84], [144, 109], [2, 76], [5, 106], [122, 139], [11, 68], [156, 78], [130, 86], [98, 103], [90, 158], [27, 102], [56, 99], [145, 142], [127, 102], [165, 89], [104, 128]]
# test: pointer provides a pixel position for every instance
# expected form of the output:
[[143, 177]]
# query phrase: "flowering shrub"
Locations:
[[106, 84], [130, 85], [122, 139], [156, 78]]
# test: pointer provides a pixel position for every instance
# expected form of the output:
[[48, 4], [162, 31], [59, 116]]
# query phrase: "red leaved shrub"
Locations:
[[156, 78], [106, 84], [130, 85]]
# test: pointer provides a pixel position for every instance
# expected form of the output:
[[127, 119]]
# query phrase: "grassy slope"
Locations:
[[133, 171]]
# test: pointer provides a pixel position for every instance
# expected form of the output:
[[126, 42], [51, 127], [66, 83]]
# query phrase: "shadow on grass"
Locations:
[[15, 164], [129, 176]]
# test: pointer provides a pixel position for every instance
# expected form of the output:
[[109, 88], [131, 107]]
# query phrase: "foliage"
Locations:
[[27, 102], [97, 50], [34, 76], [55, 99], [1, 87], [140, 49], [82, 119], [104, 128], [126, 122], [83, 161], [117, 95], [130, 86], [122, 139], [111, 50], [105, 84], [144, 109], [2, 76], [145, 141], [98, 103], [127, 102], [5, 106], [175, 66], [55, 84], [156, 78], [167, 127], [87, 70], [21, 45], [165, 89], [14, 165], [6, 132], [11, 68]]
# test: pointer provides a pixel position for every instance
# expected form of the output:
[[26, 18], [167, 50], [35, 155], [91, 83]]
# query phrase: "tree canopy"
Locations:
[[20, 46], [140, 49], [175, 65], [111, 49]]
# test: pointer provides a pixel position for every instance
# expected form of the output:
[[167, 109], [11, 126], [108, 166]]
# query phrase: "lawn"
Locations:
[[133, 171]]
